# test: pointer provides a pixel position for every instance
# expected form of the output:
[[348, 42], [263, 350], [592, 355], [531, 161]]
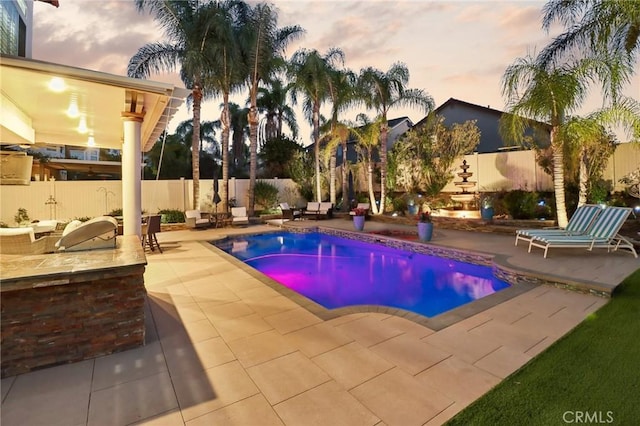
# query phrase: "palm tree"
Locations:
[[311, 74], [187, 26], [263, 46], [597, 26], [273, 102], [367, 133], [540, 91], [228, 73], [382, 91], [594, 143], [343, 94], [207, 135], [239, 126]]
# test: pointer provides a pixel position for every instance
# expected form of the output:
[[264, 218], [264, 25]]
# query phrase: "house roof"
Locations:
[[34, 113], [395, 121], [453, 101]]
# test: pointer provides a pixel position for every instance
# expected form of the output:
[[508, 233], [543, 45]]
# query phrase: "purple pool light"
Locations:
[[337, 272]]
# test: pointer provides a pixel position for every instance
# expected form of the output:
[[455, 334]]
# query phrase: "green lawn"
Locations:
[[593, 372]]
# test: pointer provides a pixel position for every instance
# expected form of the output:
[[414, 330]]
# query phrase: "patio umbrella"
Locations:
[[216, 196]]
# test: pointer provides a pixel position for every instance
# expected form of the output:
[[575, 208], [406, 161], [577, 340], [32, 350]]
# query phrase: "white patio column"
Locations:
[[131, 184]]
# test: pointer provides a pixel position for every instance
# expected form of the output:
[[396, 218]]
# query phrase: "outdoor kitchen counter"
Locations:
[[70, 306], [18, 271]]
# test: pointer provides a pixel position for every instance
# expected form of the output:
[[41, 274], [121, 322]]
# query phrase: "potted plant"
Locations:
[[425, 226], [358, 218], [486, 208]]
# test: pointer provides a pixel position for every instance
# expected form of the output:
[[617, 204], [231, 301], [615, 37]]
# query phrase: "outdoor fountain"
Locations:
[[465, 197]]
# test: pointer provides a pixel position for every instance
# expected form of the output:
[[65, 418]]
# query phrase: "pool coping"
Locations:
[[436, 323], [520, 279]]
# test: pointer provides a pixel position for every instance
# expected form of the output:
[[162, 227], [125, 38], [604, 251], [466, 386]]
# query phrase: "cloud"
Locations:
[[94, 39]]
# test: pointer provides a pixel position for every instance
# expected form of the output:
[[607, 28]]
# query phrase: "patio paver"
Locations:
[[223, 347]]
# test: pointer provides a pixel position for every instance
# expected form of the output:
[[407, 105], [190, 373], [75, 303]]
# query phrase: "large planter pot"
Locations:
[[412, 209], [425, 231], [486, 213], [358, 223]]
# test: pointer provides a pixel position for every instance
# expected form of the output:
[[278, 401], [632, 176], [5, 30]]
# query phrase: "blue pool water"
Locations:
[[337, 272]]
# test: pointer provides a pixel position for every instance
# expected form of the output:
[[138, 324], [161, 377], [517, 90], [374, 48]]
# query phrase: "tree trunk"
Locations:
[[195, 145], [346, 204], [332, 178], [558, 180], [584, 177], [316, 148], [253, 156], [372, 195], [384, 133], [225, 121]]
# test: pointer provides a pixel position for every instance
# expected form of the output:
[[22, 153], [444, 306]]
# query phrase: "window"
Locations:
[[9, 21]]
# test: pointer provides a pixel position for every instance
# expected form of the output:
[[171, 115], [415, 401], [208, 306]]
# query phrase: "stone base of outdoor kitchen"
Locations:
[[67, 307]]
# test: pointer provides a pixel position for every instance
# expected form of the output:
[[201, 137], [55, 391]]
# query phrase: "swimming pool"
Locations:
[[338, 272]]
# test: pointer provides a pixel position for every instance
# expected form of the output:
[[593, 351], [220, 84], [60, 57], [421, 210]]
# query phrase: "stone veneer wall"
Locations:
[[97, 313]]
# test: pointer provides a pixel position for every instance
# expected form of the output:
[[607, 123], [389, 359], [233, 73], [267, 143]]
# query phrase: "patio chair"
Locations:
[[325, 210], [149, 231], [603, 234], [579, 224], [239, 216], [99, 232], [197, 219], [288, 213], [312, 209]]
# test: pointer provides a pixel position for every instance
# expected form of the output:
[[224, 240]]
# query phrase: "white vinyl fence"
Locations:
[[65, 200]]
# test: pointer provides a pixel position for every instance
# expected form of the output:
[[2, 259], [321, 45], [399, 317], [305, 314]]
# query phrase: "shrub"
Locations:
[[21, 216], [399, 204], [118, 212], [521, 204], [266, 194], [171, 216]]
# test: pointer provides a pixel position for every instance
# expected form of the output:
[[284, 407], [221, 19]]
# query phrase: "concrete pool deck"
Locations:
[[224, 348]]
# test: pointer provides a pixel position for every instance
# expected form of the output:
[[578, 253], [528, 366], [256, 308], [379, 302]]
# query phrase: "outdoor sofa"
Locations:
[[322, 210]]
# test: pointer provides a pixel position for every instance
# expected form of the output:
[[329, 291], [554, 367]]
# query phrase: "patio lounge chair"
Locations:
[[579, 224], [239, 216], [603, 234], [99, 232], [288, 213]]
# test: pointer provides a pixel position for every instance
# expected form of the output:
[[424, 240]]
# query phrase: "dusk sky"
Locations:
[[453, 49]]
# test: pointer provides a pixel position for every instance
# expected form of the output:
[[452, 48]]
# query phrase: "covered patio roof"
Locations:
[[47, 103]]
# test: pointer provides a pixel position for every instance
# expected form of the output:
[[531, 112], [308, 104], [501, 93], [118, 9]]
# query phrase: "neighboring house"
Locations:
[[65, 162], [487, 120], [16, 17]]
